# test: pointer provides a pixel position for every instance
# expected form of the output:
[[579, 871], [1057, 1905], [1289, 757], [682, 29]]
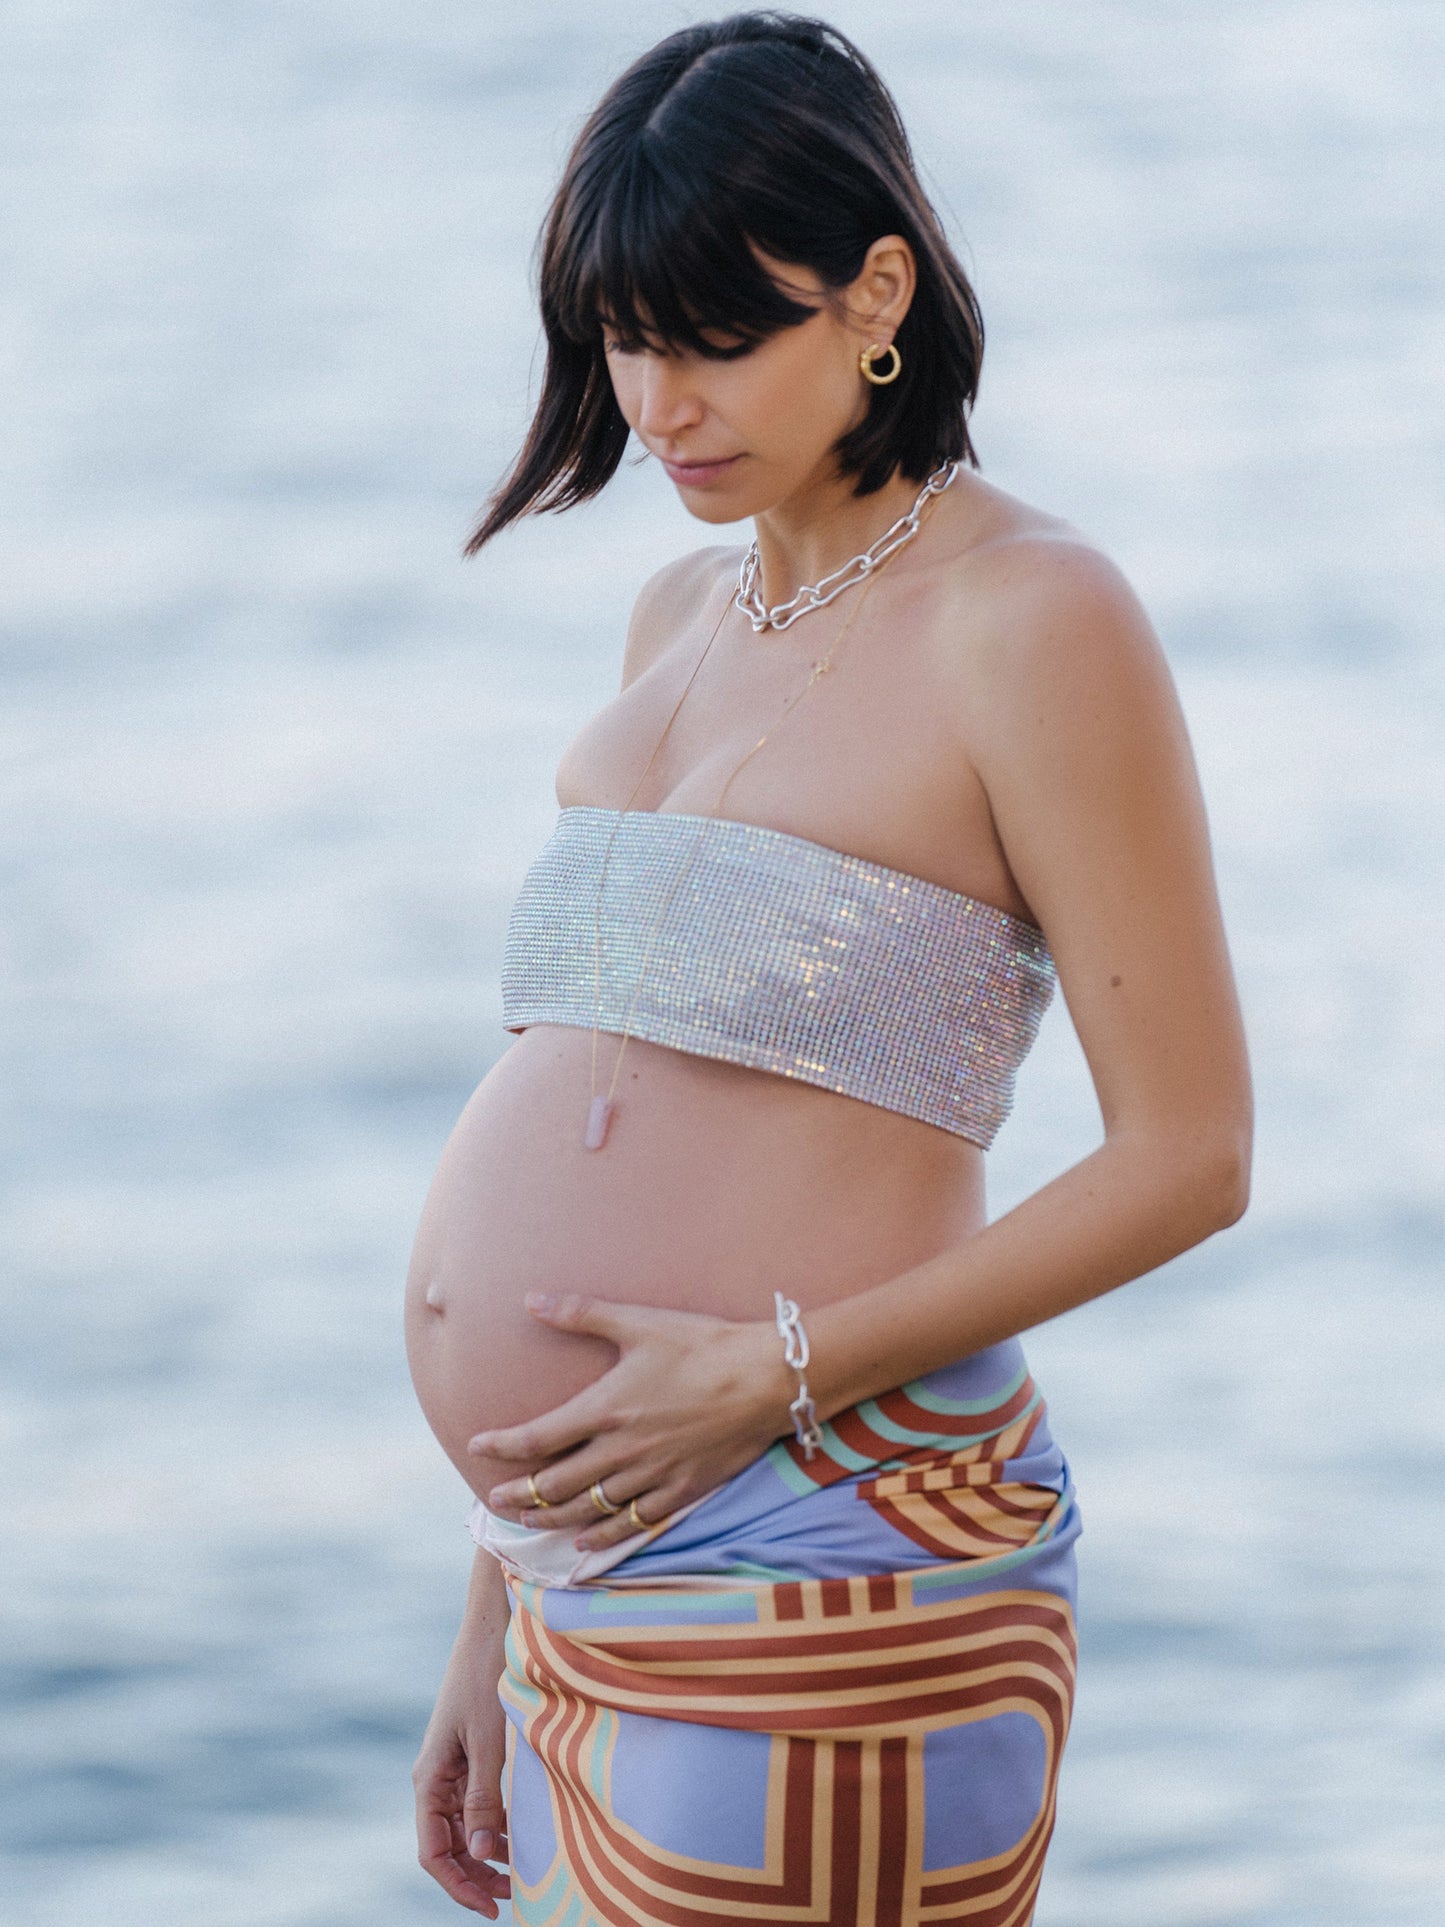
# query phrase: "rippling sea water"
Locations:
[[273, 763]]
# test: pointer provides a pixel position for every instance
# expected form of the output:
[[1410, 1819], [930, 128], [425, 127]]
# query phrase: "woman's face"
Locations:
[[739, 437]]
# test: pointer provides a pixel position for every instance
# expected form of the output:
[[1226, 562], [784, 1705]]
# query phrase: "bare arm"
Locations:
[[1077, 735], [460, 1822]]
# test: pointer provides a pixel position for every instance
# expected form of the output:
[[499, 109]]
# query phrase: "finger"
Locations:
[[482, 1889], [616, 1488], [466, 1883], [566, 1487], [485, 1843], [472, 1882], [585, 1511], [437, 1780], [599, 1317], [556, 1431], [654, 1506], [484, 1819], [441, 1854], [485, 1886], [476, 1860], [493, 1880]]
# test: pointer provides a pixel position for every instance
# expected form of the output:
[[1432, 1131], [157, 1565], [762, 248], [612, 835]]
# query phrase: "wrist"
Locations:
[[846, 1366], [769, 1382], [797, 1359], [487, 1611], [476, 1663]]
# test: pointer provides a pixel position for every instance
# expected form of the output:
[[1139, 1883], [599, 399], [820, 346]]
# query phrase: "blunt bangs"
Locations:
[[668, 266], [763, 138]]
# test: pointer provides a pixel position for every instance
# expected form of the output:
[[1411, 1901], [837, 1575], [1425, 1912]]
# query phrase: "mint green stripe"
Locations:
[[959, 1407], [772, 1574], [603, 1734], [796, 1480], [542, 1905], [792, 1477], [901, 1435], [924, 1577], [522, 1693], [706, 1602], [977, 1569], [519, 1687], [844, 1455]]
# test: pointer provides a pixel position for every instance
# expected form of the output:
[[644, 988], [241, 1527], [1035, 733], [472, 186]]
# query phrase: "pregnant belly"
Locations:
[[716, 1186]]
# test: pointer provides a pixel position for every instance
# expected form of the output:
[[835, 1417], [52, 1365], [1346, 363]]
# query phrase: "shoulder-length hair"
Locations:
[[762, 133]]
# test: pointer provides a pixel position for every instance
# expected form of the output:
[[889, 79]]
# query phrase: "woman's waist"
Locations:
[[958, 1466]]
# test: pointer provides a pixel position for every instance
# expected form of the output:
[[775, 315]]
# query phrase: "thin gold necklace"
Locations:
[[602, 1108]]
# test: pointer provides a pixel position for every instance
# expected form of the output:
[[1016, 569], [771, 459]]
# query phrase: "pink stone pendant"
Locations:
[[599, 1116]]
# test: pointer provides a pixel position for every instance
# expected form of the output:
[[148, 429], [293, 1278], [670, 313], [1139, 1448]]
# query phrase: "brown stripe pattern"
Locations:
[[848, 1676], [952, 1504]]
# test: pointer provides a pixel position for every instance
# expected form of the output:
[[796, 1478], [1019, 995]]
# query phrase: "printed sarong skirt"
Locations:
[[833, 1693]]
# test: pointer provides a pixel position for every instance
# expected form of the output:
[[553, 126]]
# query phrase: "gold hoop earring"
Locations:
[[870, 373]]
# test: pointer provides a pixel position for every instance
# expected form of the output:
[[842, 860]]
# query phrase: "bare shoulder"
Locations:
[[1049, 635], [1029, 579], [669, 600]]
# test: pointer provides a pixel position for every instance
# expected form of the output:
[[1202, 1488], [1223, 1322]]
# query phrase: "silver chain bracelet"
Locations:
[[796, 1353]]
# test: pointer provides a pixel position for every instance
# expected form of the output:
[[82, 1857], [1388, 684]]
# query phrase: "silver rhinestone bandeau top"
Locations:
[[767, 950]]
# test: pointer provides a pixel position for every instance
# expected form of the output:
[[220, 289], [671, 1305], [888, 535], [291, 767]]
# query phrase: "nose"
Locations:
[[668, 402]]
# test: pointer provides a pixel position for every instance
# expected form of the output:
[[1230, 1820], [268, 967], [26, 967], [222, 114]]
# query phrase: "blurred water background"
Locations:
[[274, 761]]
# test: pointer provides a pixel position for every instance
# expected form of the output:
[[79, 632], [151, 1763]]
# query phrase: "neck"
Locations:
[[820, 527]]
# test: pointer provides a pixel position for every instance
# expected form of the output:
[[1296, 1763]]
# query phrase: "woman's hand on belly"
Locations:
[[691, 1400]]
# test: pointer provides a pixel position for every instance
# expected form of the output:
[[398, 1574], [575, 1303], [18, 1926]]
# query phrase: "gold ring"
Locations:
[[635, 1516], [601, 1500], [537, 1499]]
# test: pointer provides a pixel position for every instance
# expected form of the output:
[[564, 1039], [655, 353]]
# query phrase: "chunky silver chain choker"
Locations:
[[817, 595]]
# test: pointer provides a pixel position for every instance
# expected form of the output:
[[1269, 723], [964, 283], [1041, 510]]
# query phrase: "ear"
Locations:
[[882, 293]]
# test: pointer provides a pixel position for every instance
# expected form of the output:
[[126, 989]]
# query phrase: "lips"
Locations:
[[695, 474]]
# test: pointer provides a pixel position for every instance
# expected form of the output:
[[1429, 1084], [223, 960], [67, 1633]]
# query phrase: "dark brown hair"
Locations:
[[763, 131]]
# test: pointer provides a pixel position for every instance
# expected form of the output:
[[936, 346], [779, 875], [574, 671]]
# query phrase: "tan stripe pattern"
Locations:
[[951, 1504], [849, 1676]]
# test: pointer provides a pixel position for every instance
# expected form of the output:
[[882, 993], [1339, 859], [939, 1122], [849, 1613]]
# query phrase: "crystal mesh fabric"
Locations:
[[782, 955]]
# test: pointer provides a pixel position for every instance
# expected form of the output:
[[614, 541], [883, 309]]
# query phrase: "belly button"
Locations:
[[434, 1295]]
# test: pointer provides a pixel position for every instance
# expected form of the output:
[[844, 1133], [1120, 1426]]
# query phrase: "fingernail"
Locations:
[[540, 1301], [480, 1843]]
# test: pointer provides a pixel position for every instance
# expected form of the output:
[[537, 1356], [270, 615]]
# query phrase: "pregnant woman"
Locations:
[[771, 1616]]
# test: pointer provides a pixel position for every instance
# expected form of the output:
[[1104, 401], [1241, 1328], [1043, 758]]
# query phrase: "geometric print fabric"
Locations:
[[881, 1746]]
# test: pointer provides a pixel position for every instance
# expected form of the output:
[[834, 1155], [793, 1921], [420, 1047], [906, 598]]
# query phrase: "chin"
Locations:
[[717, 505], [714, 511]]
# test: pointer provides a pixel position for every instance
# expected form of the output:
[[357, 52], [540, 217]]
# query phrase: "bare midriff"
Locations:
[[717, 1186]]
